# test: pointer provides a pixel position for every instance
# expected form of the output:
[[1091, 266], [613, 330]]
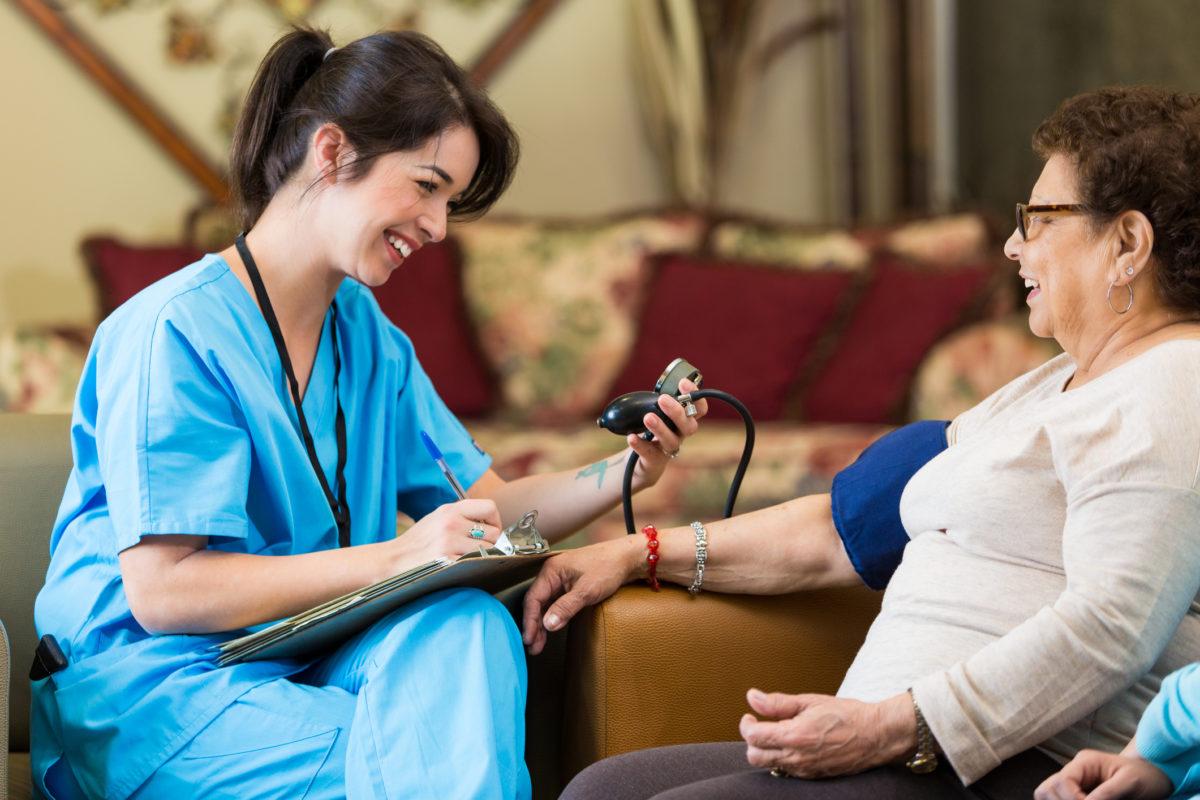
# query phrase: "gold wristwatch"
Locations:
[[925, 759]]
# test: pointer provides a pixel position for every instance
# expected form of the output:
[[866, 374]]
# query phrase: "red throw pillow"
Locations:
[[120, 271], [424, 298], [902, 313], [749, 328]]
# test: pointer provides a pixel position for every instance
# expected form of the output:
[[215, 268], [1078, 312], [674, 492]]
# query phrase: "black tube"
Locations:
[[627, 491], [738, 475]]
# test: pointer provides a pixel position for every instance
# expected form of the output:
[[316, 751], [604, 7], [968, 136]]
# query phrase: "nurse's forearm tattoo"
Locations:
[[600, 469]]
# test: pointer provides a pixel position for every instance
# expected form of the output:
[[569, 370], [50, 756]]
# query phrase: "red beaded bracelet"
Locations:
[[652, 556]]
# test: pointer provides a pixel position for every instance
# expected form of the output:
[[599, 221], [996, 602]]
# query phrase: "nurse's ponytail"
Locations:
[[257, 169], [387, 92]]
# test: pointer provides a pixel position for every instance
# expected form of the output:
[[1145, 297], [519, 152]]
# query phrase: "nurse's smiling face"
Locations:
[[372, 224]]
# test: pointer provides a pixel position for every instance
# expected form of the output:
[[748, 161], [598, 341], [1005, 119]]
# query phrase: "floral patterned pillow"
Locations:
[[39, 370], [789, 247], [554, 304], [963, 370]]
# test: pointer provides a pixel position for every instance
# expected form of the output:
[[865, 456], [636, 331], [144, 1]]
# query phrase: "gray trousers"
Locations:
[[720, 770]]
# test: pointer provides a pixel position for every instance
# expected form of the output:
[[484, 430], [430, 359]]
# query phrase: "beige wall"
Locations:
[[74, 165]]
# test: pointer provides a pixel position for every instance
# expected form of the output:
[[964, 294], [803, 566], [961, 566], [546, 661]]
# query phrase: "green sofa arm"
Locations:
[[5, 672], [647, 669]]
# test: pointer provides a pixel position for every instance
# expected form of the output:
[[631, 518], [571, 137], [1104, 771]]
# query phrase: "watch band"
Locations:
[[925, 760]]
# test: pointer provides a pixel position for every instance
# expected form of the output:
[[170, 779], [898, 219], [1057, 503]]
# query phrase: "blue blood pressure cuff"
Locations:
[[866, 498]]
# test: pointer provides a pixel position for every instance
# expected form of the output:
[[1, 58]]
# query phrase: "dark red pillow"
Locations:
[[120, 271], [749, 328], [424, 298], [903, 311]]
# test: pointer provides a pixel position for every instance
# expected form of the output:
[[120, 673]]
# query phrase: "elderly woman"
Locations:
[[1054, 554]]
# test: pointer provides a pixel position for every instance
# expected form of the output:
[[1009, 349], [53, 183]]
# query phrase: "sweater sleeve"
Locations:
[[1131, 555], [1168, 735]]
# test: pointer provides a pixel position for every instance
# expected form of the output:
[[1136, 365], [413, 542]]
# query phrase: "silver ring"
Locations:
[[673, 455], [777, 772], [476, 532]]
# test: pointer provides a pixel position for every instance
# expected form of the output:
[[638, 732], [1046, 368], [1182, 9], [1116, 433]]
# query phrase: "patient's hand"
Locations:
[[1106, 776], [817, 736], [575, 579]]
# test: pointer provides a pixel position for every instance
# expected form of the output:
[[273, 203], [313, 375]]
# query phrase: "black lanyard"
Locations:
[[339, 506]]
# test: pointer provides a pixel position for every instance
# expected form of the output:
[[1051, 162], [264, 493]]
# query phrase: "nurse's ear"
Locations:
[[330, 153]]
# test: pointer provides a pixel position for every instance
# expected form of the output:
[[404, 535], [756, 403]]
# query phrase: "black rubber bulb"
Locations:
[[624, 415]]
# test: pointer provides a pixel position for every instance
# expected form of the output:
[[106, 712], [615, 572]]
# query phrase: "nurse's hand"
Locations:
[[655, 455], [447, 532]]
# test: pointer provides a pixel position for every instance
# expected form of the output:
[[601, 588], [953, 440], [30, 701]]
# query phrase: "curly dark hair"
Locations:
[[1138, 148]]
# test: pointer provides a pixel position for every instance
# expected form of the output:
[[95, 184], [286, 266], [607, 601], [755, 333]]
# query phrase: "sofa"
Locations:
[[527, 328]]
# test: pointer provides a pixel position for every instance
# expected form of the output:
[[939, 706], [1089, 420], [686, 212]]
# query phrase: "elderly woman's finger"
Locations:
[[778, 705], [547, 584], [766, 735], [765, 758]]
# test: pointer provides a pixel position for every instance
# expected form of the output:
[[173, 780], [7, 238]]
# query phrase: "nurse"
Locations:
[[244, 433]]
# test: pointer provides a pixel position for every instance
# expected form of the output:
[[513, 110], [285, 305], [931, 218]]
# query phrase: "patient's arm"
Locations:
[[784, 548]]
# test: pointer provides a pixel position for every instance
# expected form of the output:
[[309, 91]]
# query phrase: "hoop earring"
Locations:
[[1108, 298]]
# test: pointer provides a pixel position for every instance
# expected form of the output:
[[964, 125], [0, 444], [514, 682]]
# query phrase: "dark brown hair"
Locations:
[[390, 91], [1138, 148]]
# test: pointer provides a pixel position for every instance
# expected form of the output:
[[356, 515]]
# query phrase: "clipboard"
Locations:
[[517, 555]]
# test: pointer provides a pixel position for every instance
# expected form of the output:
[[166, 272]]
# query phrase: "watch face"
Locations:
[[923, 763]]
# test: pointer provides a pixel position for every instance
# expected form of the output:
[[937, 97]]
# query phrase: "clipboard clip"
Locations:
[[522, 538]]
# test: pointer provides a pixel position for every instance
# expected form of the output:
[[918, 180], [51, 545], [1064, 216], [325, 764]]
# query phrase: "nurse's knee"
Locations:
[[473, 609], [456, 614], [471, 603]]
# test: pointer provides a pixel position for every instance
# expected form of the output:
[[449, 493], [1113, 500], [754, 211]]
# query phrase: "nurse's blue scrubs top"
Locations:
[[184, 424]]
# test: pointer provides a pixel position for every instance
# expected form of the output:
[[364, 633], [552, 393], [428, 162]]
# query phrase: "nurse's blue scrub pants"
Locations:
[[427, 703]]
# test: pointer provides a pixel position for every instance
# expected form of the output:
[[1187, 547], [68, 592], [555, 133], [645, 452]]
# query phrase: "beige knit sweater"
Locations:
[[1052, 574]]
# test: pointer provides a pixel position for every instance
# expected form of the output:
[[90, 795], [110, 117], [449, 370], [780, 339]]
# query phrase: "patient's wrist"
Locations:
[[898, 727]]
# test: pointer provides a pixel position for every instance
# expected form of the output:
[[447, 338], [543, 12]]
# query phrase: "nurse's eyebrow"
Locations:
[[441, 173]]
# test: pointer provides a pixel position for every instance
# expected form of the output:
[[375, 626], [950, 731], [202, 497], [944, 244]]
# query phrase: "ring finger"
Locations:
[[480, 531], [663, 436]]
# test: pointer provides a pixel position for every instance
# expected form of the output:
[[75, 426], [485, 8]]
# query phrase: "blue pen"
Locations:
[[436, 455]]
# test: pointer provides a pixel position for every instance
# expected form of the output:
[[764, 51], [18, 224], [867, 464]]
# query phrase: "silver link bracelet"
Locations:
[[701, 557]]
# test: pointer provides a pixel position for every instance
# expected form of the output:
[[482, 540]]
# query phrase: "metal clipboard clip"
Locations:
[[522, 538]]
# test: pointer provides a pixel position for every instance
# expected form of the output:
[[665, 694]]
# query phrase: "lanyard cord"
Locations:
[[339, 506]]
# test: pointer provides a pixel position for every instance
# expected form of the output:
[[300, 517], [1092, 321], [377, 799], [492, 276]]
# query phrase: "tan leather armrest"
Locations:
[[646, 669]]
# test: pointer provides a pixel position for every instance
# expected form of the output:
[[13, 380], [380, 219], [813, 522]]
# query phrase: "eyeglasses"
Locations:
[[1024, 210]]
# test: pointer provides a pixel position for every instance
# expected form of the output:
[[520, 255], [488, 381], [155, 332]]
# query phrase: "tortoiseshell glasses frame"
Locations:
[[1024, 210]]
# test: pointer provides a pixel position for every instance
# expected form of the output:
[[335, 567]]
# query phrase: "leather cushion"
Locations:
[[647, 669]]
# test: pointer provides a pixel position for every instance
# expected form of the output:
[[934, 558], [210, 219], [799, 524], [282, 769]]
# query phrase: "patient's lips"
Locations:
[[1030, 283]]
